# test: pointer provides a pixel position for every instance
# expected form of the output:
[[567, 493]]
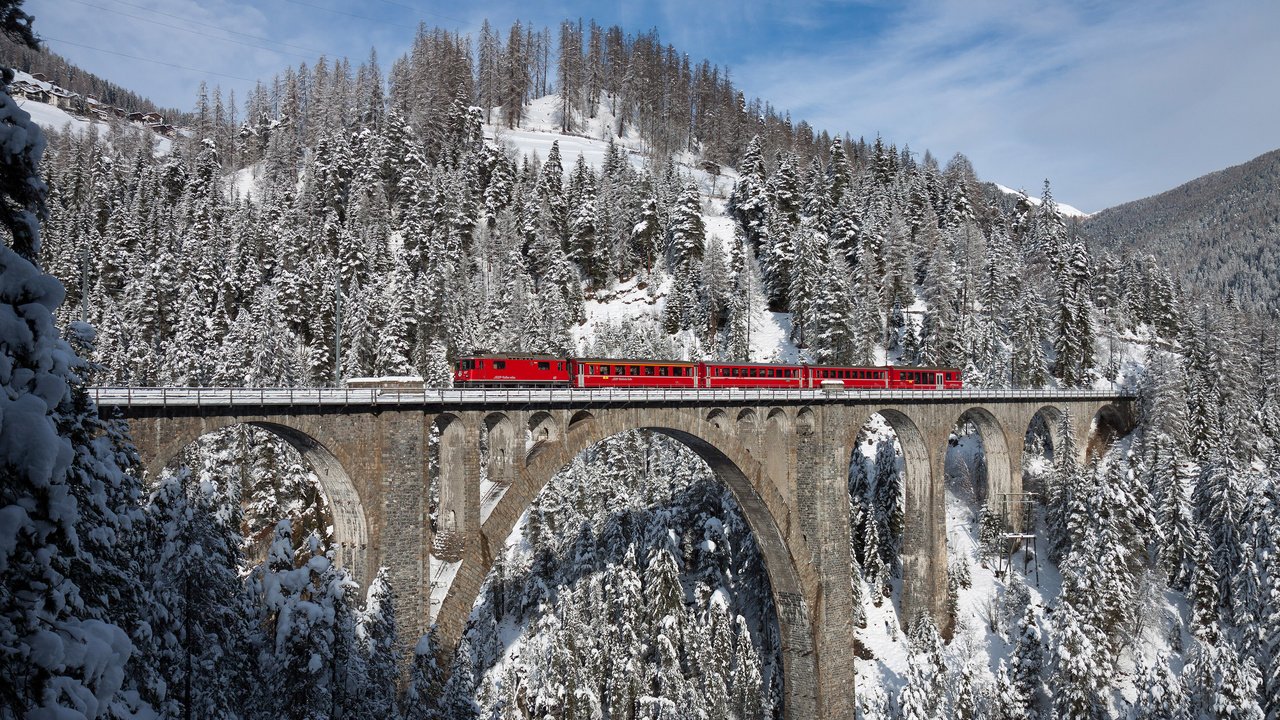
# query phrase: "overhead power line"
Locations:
[[154, 62], [424, 12]]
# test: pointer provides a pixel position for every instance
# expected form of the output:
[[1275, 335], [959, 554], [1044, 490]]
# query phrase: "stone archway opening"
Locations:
[[279, 472], [1108, 426], [540, 431], [985, 509], [1041, 442], [499, 446], [889, 490], [446, 488], [635, 543]]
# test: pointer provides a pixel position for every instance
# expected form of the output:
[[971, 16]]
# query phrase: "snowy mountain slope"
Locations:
[[1064, 209], [540, 128], [55, 119], [635, 299]]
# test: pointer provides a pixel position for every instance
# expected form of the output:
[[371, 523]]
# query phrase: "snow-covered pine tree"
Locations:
[[1026, 666], [924, 695], [63, 523], [197, 617], [1160, 694]]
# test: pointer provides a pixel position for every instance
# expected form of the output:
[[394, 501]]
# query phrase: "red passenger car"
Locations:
[[605, 372], [551, 371], [752, 375], [925, 378], [883, 378], [512, 371]]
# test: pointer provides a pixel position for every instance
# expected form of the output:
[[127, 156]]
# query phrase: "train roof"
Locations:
[[510, 356], [887, 367], [753, 364], [633, 361]]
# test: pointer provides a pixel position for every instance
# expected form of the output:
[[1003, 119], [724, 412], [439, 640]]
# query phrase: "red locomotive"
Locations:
[[551, 371]]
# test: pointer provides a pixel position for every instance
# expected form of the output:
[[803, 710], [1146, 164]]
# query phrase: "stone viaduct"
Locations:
[[784, 455]]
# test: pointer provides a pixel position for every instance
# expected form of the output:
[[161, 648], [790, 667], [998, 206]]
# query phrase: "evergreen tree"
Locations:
[[380, 654]]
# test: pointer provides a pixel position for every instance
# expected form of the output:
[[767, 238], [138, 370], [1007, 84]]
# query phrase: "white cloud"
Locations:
[[1110, 103], [193, 34]]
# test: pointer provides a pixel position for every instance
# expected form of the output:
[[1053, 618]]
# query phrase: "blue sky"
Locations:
[[1110, 101]]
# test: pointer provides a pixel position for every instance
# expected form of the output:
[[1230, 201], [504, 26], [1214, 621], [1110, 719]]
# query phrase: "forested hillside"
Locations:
[[348, 221], [1218, 234]]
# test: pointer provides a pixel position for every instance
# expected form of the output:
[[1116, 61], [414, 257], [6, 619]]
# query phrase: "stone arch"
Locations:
[[541, 431], [580, 417], [1049, 416], [448, 462], [748, 421], [782, 546], [1109, 423], [806, 421], [924, 534], [777, 449], [1000, 482], [719, 418], [498, 457], [350, 524]]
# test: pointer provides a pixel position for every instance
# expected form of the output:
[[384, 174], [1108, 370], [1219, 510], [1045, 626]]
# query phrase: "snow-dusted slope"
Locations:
[[51, 118], [637, 298], [540, 128], [1064, 209]]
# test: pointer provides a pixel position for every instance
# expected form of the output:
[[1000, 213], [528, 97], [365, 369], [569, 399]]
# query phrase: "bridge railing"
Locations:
[[290, 396]]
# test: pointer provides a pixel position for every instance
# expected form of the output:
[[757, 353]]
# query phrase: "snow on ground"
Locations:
[[1063, 208], [243, 183], [540, 128], [442, 574], [52, 118]]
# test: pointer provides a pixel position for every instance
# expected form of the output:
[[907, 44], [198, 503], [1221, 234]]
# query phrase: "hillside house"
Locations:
[[29, 91], [63, 99]]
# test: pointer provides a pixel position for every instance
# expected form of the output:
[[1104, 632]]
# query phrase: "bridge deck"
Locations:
[[286, 397]]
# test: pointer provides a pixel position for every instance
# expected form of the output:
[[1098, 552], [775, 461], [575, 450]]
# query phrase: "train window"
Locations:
[[753, 372], [619, 370], [663, 371], [648, 370], [559, 366], [735, 372], [479, 364], [544, 366], [633, 370], [499, 365]]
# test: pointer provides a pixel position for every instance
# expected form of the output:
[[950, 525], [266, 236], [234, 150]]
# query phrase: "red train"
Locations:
[[551, 371]]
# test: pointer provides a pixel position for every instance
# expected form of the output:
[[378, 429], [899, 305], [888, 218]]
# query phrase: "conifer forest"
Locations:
[[387, 216]]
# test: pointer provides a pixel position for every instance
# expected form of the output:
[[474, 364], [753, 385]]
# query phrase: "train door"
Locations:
[[581, 367], [939, 377]]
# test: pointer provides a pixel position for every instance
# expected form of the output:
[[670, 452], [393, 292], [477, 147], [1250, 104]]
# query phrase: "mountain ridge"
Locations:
[[1218, 232]]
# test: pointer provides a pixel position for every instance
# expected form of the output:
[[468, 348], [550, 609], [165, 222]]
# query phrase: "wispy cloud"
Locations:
[[1112, 102]]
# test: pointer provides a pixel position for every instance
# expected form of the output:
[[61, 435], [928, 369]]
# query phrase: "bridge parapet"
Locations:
[[577, 397]]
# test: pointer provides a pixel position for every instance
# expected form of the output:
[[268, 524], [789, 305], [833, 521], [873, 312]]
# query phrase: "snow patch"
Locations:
[[1063, 209]]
